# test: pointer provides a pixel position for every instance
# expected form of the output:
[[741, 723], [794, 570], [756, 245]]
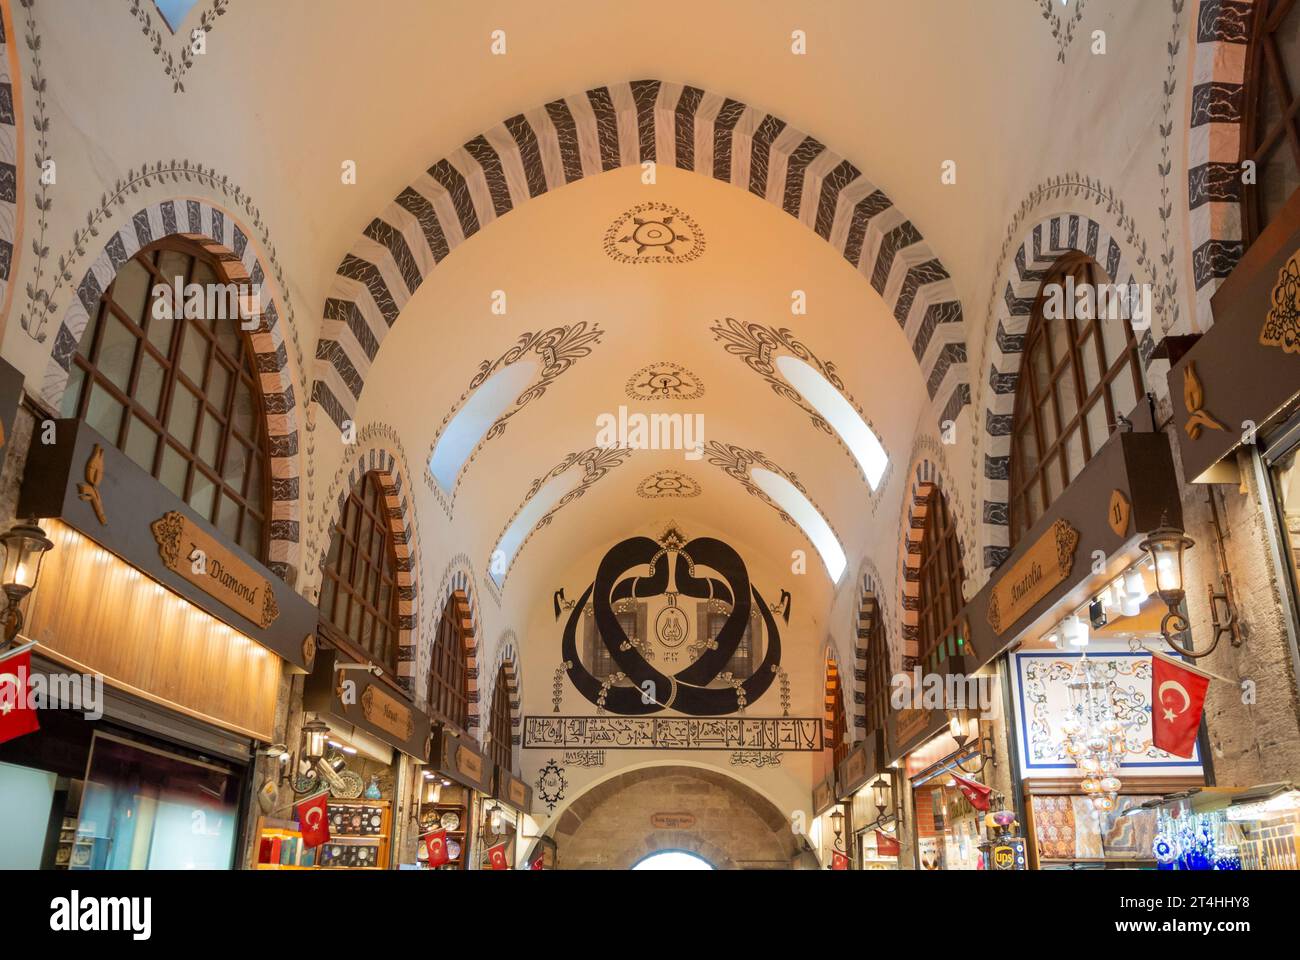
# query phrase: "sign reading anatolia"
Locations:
[[1042, 567], [204, 561]]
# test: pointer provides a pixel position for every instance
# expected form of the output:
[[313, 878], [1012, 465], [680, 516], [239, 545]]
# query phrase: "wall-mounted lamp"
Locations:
[[312, 747], [1166, 546], [882, 790], [957, 728], [25, 545]]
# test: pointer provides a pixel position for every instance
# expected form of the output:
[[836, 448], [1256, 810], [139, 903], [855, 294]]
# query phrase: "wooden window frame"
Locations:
[[1265, 71], [940, 579], [251, 499], [1037, 413], [877, 679], [361, 564], [500, 744], [448, 689]]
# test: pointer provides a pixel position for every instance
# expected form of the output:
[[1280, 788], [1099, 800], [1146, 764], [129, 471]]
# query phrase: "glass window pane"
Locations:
[[159, 332], [232, 472], [184, 415], [1047, 421], [255, 492], [174, 265], [1091, 367], [1059, 334], [149, 384], [251, 536], [1114, 335], [194, 353], [1067, 395], [131, 290], [1278, 178], [174, 469], [104, 414], [241, 415], [1098, 428], [1122, 392], [202, 494], [72, 395], [1041, 367], [209, 438], [1074, 459], [116, 352], [228, 518], [219, 386], [141, 443], [1052, 472]]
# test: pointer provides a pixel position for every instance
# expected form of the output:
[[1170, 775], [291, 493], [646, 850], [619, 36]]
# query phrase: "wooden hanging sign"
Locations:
[[387, 713], [1033, 576], [208, 564]]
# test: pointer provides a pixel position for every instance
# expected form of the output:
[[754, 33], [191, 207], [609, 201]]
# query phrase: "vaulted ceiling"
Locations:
[[287, 105]]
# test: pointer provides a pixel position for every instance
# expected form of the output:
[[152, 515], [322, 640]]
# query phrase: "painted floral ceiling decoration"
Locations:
[[666, 484], [664, 381], [654, 232]]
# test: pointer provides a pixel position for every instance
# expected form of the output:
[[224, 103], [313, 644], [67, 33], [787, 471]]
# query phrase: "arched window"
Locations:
[[838, 735], [877, 679], [500, 743], [1271, 132], [179, 395], [359, 591], [1076, 375], [940, 579], [449, 671]]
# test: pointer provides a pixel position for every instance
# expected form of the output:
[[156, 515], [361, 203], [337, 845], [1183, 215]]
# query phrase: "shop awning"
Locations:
[[90, 485], [511, 790], [1246, 369], [458, 757], [362, 700]]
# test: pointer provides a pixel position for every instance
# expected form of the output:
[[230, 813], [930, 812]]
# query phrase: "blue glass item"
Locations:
[[372, 789]]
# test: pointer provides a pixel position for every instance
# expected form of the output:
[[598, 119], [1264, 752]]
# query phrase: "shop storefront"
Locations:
[[829, 827], [868, 793], [156, 651], [504, 822], [363, 746], [457, 790]]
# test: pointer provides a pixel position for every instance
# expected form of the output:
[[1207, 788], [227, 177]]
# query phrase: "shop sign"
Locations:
[[1008, 854], [823, 797], [210, 566], [387, 713], [469, 763], [910, 723], [672, 821], [517, 794], [1041, 568], [464, 764]]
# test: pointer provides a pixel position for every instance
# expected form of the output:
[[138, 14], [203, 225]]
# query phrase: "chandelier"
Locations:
[[1094, 736]]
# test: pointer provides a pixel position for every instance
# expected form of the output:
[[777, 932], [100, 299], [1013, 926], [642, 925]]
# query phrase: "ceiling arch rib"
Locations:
[[607, 128]]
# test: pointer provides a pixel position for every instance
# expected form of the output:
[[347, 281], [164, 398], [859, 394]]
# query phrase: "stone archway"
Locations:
[[613, 825]]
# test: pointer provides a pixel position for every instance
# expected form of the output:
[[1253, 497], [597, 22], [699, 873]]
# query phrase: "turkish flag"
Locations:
[[839, 861], [1177, 699], [537, 864], [886, 846], [497, 857], [975, 792], [314, 820], [436, 844], [16, 716]]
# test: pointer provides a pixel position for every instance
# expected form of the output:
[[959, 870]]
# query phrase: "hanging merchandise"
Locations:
[[1094, 736], [1190, 840]]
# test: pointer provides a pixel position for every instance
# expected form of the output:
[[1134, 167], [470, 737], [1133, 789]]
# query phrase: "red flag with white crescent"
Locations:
[[839, 861], [886, 846], [975, 792], [537, 864], [436, 844], [17, 717], [497, 857], [1177, 699], [314, 820]]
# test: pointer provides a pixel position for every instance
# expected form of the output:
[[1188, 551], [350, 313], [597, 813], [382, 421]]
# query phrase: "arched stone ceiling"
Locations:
[[550, 259]]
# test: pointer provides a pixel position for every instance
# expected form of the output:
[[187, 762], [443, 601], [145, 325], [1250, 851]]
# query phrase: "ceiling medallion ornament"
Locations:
[[654, 232], [664, 381], [667, 484], [703, 569]]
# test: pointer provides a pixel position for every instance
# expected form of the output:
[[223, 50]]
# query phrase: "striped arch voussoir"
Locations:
[[607, 128], [507, 660], [1214, 182], [224, 238], [869, 612]]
